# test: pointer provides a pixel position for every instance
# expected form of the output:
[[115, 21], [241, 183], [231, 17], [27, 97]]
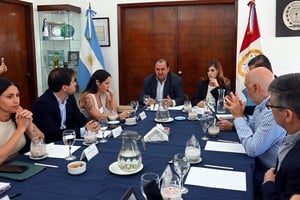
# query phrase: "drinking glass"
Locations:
[[146, 99], [38, 147], [69, 137], [103, 127], [135, 106], [181, 167], [193, 151], [204, 125], [187, 106], [171, 188], [146, 179]]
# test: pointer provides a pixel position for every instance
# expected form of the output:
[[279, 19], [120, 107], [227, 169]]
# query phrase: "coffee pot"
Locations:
[[130, 157]]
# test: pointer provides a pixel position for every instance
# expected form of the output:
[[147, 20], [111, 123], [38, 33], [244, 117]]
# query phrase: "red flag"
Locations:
[[250, 48]]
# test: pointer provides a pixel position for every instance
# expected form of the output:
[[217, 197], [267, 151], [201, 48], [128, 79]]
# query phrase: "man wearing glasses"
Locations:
[[283, 181], [259, 134]]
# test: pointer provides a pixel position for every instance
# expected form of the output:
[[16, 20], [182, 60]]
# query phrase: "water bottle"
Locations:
[[221, 101]]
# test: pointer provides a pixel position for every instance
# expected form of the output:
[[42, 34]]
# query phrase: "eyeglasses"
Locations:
[[270, 106]]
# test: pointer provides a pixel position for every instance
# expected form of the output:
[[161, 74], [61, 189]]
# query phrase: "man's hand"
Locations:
[[235, 105], [270, 175]]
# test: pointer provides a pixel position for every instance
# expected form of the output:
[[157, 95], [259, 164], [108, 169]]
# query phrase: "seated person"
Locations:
[[259, 134], [283, 181], [257, 61], [163, 84], [208, 86], [56, 109], [98, 99], [14, 121]]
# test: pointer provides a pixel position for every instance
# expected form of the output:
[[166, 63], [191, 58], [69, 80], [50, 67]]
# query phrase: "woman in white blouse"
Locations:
[[98, 99], [14, 121]]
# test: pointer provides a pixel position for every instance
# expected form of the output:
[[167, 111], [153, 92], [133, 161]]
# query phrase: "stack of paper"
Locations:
[[58, 151], [224, 147], [216, 178]]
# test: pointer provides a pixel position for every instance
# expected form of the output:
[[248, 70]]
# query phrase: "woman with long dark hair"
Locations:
[[14, 121]]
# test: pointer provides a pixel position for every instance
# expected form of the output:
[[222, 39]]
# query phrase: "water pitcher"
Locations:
[[130, 157], [221, 101], [162, 114]]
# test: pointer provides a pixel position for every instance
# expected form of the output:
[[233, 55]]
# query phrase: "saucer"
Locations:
[[195, 119], [88, 144], [180, 118], [130, 124], [38, 158], [196, 161], [115, 169], [164, 121], [113, 122]]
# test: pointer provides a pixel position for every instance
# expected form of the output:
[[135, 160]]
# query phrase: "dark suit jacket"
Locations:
[[46, 115], [201, 92], [172, 87], [287, 181]]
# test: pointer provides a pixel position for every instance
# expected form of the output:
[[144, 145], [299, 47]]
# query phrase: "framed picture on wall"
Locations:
[[287, 18], [102, 31], [73, 58]]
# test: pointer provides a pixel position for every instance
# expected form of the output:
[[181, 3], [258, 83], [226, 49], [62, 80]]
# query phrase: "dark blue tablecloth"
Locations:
[[98, 183]]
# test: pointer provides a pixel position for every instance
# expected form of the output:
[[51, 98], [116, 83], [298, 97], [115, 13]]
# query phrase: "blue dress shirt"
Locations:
[[260, 135]]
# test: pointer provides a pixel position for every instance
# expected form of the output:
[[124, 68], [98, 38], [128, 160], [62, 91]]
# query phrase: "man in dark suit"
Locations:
[[284, 180], [56, 110], [163, 84]]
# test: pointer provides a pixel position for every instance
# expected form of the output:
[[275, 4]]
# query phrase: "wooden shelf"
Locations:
[[65, 7]]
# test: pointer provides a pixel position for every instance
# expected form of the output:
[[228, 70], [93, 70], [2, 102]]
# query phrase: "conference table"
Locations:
[[99, 183]]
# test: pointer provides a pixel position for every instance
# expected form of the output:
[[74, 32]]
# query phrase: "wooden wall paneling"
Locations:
[[187, 33]]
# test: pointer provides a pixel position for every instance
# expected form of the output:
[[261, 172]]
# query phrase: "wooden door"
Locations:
[[17, 47], [187, 33], [206, 32]]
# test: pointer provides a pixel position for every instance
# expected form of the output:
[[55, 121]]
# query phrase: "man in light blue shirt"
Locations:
[[260, 135]]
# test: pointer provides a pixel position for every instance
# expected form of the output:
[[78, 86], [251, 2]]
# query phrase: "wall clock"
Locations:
[[287, 18]]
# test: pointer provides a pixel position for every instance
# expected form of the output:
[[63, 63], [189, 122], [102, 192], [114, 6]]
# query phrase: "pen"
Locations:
[[14, 195], [219, 167], [229, 141], [46, 165]]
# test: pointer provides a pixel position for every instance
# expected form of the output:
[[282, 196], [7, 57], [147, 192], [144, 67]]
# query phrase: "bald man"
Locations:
[[260, 135]]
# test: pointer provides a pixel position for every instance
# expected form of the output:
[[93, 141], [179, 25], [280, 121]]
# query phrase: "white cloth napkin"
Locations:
[[156, 134]]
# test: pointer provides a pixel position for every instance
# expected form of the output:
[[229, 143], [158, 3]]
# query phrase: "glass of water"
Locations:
[[146, 179], [181, 167], [69, 137]]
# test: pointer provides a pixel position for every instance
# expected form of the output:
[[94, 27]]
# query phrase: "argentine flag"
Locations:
[[90, 56]]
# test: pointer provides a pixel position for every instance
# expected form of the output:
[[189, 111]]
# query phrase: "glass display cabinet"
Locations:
[[60, 37]]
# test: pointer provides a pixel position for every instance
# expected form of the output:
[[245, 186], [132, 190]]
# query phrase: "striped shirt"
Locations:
[[260, 135]]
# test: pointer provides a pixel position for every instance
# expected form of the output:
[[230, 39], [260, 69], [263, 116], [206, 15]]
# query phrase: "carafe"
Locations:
[[130, 158], [221, 101], [162, 114]]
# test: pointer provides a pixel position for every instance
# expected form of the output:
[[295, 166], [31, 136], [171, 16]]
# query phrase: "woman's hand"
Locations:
[[92, 125], [109, 95], [23, 118], [124, 114], [213, 82], [201, 104]]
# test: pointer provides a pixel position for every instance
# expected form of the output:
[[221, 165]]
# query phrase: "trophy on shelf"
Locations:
[[45, 31]]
